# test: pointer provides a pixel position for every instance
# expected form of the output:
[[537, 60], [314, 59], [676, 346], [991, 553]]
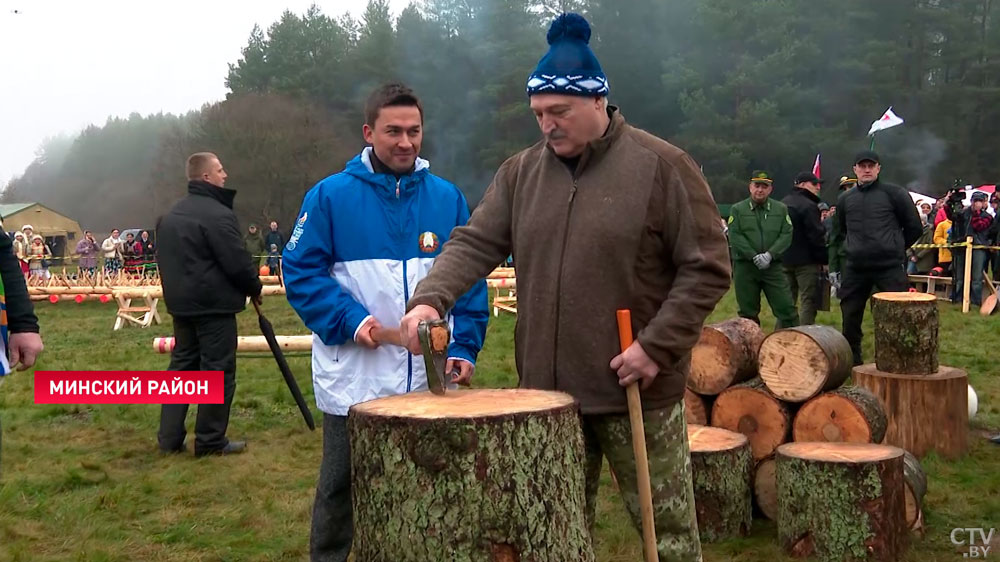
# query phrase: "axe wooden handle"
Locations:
[[387, 335], [639, 446]]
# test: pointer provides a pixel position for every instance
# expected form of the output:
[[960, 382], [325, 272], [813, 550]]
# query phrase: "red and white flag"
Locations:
[[816, 167], [888, 119]]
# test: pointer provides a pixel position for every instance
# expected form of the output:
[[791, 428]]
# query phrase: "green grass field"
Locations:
[[86, 482]]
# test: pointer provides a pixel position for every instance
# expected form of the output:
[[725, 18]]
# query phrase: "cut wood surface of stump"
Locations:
[[765, 490], [841, 502], [720, 470], [850, 414], [726, 354], [906, 333], [696, 408], [915, 480], [799, 363], [470, 476], [924, 412], [751, 409]]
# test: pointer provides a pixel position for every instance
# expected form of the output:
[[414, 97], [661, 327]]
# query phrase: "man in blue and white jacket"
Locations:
[[364, 239]]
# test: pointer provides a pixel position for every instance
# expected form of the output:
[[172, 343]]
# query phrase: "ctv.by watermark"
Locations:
[[973, 542]]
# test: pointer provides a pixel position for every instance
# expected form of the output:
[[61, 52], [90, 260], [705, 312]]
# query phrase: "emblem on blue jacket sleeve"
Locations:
[[297, 233], [428, 242]]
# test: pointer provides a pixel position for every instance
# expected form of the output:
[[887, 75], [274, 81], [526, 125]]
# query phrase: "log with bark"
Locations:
[[492, 475], [906, 333], [841, 501], [765, 490], [720, 470], [697, 408], [799, 363], [751, 409], [924, 412], [850, 414], [726, 354]]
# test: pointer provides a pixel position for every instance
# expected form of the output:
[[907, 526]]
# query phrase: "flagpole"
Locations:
[[872, 146]]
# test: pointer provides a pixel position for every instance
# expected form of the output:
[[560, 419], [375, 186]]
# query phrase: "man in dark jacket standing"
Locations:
[[206, 275], [598, 190], [878, 222], [20, 344], [805, 259], [976, 222], [254, 244]]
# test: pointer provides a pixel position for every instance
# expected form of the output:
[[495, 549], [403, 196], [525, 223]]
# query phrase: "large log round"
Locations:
[[924, 412], [915, 480], [906, 333], [799, 363], [726, 354], [850, 414], [471, 475], [765, 489], [720, 469], [749, 408], [841, 501], [697, 408]]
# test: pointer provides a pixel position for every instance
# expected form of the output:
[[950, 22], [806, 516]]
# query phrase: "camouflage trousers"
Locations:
[[670, 476]]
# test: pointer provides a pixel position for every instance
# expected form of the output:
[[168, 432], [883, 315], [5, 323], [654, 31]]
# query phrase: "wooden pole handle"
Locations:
[[387, 335], [967, 275], [639, 446]]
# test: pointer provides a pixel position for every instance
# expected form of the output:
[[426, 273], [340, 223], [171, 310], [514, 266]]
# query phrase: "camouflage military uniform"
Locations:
[[610, 435]]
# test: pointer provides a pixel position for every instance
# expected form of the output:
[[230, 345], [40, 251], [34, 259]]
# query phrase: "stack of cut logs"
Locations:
[[759, 393]]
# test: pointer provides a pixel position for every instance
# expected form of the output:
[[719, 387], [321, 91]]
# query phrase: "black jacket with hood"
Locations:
[[203, 265], [808, 234], [880, 223]]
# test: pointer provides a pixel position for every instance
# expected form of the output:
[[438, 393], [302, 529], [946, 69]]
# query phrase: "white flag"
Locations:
[[888, 119]]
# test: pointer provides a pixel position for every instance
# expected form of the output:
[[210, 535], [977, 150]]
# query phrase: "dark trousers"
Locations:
[[979, 261], [802, 279], [202, 343], [333, 519], [855, 290]]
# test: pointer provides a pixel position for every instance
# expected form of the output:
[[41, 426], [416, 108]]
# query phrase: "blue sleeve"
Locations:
[[471, 311], [325, 308]]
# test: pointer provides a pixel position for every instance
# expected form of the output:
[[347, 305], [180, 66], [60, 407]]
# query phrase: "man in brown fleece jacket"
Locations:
[[598, 216]]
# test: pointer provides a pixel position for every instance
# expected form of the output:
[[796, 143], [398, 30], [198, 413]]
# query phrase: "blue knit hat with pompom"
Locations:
[[569, 67]]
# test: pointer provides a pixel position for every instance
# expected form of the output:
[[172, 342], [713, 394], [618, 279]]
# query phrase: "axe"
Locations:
[[639, 446], [434, 338]]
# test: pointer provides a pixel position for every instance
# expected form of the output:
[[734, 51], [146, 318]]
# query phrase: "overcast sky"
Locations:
[[65, 64]]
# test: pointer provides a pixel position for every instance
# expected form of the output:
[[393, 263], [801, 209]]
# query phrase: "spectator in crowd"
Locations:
[[995, 236], [835, 250], [925, 213], [919, 261], [147, 249], [254, 243], [941, 232], [87, 249], [976, 222], [20, 249], [274, 260], [132, 255], [113, 249], [275, 238], [38, 258]]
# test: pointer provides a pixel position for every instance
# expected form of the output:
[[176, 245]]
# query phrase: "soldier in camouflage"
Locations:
[[760, 231]]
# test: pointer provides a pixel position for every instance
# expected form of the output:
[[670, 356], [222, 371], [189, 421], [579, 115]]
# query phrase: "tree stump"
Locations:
[[799, 363], [751, 409], [720, 469], [906, 333], [851, 414], [726, 354], [476, 475], [841, 501], [696, 408], [915, 482], [765, 490], [924, 412]]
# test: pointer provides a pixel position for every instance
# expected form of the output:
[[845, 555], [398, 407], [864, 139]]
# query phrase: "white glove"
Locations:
[[762, 261], [835, 279]]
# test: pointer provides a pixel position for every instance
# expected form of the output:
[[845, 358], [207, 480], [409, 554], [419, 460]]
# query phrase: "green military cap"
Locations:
[[847, 181], [760, 176]]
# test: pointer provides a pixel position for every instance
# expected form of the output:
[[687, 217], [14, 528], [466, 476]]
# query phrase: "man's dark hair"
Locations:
[[390, 95]]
